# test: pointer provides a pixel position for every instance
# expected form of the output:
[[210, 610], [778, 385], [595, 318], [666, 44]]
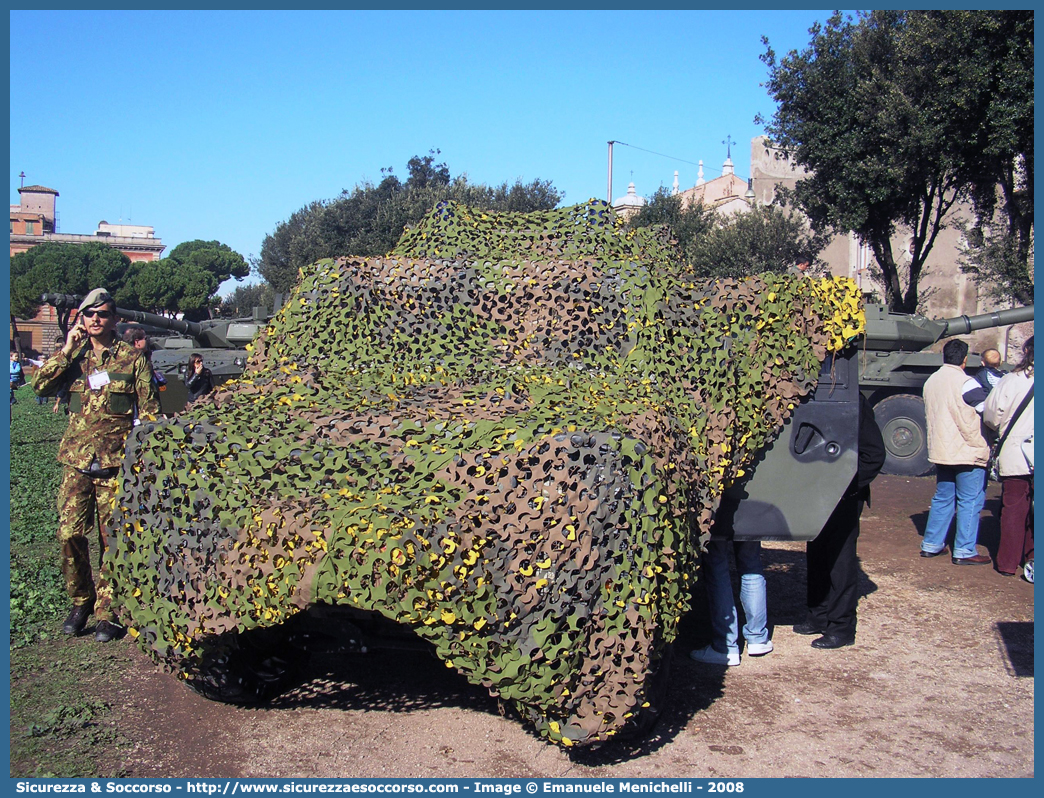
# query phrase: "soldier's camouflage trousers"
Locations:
[[84, 514]]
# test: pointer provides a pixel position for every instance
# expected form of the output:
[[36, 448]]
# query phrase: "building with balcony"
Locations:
[[34, 221]]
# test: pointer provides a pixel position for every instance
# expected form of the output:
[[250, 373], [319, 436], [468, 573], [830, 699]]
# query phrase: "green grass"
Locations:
[[64, 711], [37, 591]]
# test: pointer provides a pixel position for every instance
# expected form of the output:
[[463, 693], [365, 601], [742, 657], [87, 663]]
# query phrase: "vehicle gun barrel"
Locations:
[[962, 325], [141, 317], [193, 328]]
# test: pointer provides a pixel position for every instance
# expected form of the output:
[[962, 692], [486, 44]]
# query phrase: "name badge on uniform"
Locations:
[[98, 380]]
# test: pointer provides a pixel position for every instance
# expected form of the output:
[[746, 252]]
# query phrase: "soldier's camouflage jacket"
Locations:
[[99, 420]]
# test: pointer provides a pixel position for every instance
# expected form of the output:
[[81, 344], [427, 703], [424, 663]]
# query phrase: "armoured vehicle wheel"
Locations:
[[248, 668], [902, 422], [656, 694]]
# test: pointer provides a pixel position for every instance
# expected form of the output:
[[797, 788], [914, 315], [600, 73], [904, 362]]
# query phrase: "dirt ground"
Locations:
[[939, 683]]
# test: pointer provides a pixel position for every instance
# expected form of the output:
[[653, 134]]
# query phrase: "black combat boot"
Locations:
[[108, 630], [77, 619]]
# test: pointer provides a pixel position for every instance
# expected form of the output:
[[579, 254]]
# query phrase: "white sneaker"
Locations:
[[759, 649], [712, 656]]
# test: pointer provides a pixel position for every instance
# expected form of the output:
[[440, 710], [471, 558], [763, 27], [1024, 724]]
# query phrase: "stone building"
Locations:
[[34, 221], [726, 195], [628, 205]]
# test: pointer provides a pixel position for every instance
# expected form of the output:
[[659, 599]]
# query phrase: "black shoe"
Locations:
[[107, 630], [978, 559], [77, 619], [833, 641], [933, 553], [808, 628]]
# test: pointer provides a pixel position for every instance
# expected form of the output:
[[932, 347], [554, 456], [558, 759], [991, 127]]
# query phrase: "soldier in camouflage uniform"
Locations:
[[110, 385], [802, 267]]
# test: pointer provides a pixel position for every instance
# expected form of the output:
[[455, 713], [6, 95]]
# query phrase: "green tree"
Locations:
[[999, 265], [890, 115], [687, 225], [213, 257], [762, 240], [245, 298], [186, 281], [369, 220], [153, 286], [767, 239], [1000, 103], [65, 269], [278, 252], [424, 173], [197, 289], [517, 197]]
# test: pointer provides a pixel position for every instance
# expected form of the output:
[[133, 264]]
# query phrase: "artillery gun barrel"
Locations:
[[141, 317], [962, 325], [62, 300], [180, 325]]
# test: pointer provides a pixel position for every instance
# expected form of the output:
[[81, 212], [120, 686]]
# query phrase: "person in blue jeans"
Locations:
[[957, 447], [960, 491], [724, 646]]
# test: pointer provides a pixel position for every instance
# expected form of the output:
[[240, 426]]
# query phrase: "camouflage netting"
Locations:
[[503, 434]]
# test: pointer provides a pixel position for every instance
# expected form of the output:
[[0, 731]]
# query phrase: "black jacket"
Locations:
[[982, 376], [871, 450], [199, 384]]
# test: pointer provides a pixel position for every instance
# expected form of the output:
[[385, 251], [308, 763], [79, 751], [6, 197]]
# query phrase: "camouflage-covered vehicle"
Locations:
[[510, 436]]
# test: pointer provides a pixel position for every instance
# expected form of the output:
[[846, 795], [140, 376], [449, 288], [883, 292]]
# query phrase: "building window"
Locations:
[[12, 225], [30, 228]]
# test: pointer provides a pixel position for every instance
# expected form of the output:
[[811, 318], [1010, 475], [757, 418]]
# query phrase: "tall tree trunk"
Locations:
[[910, 300], [16, 339], [882, 249]]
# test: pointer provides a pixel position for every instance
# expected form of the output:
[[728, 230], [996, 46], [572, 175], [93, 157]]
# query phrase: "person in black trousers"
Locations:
[[833, 567]]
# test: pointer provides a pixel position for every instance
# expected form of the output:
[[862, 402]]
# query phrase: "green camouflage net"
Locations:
[[509, 434]]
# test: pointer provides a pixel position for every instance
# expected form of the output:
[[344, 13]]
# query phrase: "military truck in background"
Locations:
[[221, 342], [893, 367]]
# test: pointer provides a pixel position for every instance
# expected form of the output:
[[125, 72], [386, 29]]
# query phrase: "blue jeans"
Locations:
[[724, 621], [960, 488]]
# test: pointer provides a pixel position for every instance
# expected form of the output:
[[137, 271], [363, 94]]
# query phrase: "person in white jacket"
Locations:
[[960, 454], [1016, 472]]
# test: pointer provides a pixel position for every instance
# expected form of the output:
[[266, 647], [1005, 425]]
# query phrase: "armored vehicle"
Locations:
[[221, 342], [509, 437], [893, 367]]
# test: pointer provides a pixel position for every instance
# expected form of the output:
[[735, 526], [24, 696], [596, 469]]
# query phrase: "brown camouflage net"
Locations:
[[509, 435]]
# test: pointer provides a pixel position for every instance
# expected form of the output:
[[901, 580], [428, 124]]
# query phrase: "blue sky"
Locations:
[[219, 125]]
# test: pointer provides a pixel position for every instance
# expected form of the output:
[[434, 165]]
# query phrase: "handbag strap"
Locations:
[[1022, 406]]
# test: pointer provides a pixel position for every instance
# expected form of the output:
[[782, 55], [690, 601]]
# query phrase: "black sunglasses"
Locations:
[[101, 314]]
